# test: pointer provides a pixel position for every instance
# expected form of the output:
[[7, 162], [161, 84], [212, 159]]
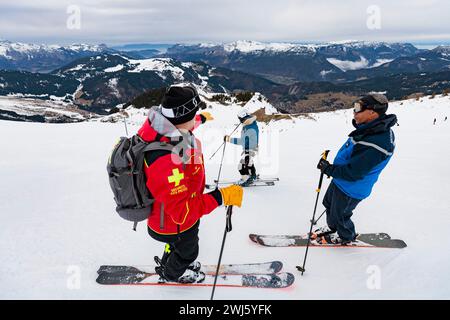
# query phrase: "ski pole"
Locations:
[[221, 162], [125, 122], [315, 222], [228, 228], [224, 141], [302, 269]]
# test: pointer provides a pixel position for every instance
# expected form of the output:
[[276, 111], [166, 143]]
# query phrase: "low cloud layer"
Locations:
[[187, 21]]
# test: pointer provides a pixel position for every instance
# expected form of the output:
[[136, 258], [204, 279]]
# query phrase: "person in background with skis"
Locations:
[[177, 182], [356, 167], [249, 142]]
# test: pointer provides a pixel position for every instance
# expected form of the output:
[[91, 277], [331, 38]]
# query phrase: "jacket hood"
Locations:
[[157, 127]]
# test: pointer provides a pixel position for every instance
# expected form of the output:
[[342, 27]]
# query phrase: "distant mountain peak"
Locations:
[[442, 49]]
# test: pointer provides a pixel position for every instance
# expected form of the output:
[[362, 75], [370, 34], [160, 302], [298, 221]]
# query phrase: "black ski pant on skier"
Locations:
[[246, 165], [339, 208], [180, 251]]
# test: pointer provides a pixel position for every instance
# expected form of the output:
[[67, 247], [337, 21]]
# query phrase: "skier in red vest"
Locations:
[[177, 183]]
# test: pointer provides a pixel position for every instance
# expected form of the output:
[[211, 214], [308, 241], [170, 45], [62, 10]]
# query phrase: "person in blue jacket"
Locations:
[[249, 141], [356, 167]]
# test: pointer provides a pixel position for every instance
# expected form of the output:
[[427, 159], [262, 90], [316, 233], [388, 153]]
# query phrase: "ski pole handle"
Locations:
[[324, 157]]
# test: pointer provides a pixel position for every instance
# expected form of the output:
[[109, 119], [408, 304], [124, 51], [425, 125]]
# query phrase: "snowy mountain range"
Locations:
[[43, 58], [101, 82], [104, 78], [290, 62]]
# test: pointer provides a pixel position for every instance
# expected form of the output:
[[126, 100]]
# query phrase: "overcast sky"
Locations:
[[189, 21]]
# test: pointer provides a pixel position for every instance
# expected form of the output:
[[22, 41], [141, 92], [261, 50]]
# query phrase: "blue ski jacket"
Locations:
[[363, 156], [249, 137]]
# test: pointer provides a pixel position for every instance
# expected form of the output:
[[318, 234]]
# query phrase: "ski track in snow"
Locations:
[[58, 223]]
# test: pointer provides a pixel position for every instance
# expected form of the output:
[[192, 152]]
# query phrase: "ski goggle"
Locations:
[[358, 107], [372, 102]]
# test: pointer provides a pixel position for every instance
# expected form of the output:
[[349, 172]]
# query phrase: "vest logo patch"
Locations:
[[176, 177]]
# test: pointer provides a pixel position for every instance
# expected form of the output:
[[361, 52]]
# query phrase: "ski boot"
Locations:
[[245, 182], [332, 239], [160, 272], [322, 231], [190, 276], [195, 266]]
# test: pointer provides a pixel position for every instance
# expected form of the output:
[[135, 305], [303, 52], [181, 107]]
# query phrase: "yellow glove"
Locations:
[[206, 116], [226, 138], [232, 195]]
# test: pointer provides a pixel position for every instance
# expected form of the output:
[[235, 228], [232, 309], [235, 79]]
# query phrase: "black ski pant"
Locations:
[[339, 209], [246, 166], [180, 251]]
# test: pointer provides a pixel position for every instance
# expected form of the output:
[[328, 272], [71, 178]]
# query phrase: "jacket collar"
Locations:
[[379, 125]]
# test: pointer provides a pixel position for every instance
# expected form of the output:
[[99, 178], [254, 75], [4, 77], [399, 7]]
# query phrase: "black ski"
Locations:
[[279, 280], [256, 183], [250, 268], [365, 240], [257, 179]]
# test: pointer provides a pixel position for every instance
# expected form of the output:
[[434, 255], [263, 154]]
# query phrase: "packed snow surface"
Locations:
[[58, 222]]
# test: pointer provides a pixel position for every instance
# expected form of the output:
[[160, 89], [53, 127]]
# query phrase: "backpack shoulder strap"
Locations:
[[165, 146], [159, 145]]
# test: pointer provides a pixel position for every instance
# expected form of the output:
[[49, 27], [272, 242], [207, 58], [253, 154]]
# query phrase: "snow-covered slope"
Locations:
[[54, 110], [58, 222]]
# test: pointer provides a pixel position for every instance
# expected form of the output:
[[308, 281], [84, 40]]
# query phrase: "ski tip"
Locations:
[[276, 266], [400, 243], [102, 279], [261, 242], [101, 269], [274, 281], [121, 278], [256, 238], [253, 237], [289, 279], [283, 280]]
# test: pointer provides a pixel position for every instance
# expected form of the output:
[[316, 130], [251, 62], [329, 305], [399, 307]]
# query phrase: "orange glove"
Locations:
[[232, 195]]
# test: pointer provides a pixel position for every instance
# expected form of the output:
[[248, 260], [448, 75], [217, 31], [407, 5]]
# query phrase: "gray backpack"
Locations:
[[127, 178]]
